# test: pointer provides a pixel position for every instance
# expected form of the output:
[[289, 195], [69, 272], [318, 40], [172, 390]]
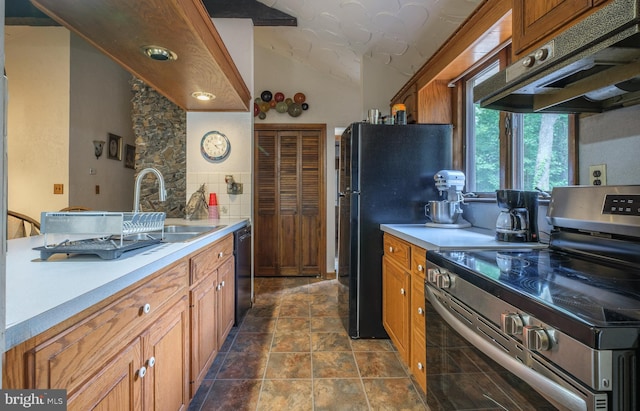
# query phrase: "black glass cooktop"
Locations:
[[594, 292]]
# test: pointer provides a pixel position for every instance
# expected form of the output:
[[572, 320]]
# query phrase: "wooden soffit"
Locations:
[[121, 28]]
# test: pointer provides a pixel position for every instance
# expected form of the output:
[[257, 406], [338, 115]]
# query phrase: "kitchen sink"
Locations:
[[177, 233]]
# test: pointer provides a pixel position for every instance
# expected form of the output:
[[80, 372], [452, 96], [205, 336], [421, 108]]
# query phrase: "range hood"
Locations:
[[593, 66]]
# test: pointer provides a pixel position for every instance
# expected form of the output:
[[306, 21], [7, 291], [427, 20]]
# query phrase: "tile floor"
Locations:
[[291, 352]]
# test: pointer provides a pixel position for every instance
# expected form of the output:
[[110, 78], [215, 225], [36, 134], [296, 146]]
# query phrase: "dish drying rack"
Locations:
[[108, 232]]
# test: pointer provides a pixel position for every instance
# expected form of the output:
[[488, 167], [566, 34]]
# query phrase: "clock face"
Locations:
[[215, 146]]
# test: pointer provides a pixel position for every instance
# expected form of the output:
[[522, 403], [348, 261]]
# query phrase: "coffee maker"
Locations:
[[518, 220]]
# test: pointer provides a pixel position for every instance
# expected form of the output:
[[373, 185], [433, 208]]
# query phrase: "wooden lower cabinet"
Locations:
[[145, 348], [115, 387], [212, 296], [396, 293], [166, 361], [418, 331], [226, 301], [403, 314]]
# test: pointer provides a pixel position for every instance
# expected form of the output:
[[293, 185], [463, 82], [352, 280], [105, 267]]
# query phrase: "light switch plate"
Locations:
[[598, 175]]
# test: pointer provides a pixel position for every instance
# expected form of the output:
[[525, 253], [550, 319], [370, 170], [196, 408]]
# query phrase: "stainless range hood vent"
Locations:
[[593, 66]]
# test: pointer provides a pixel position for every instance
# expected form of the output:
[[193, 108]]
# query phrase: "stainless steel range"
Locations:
[[563, 320]]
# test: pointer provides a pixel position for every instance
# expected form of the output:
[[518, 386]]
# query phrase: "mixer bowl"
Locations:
[[443, 212]]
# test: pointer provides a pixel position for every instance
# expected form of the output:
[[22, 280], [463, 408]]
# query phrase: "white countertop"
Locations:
[[431, 238], [41, 294]]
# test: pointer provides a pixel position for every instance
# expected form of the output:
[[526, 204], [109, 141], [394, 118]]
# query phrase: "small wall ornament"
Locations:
[[281, 104]]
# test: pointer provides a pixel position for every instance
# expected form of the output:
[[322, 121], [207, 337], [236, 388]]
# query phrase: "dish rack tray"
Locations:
[[100, 224]]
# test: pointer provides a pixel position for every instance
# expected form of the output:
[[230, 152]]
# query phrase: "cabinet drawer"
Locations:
[[418, 261], [397, 250], [71, 357], [208, 260]]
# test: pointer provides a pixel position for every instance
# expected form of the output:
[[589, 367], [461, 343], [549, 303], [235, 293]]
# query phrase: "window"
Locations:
[[519, 151]]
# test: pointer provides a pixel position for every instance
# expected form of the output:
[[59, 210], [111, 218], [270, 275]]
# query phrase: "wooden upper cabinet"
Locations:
[[536, 22]]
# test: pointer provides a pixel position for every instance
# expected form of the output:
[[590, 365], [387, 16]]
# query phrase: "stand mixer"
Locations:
[[447, 212]]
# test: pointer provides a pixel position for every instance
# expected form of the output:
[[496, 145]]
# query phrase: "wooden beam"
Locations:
[[261, 14]]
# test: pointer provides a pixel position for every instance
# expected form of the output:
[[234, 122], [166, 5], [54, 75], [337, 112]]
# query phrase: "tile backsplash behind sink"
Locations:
[[229, 205]]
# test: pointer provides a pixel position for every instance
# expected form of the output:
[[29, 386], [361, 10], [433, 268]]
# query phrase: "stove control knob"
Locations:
[[511, 323], [536, 338], [432, 273], [444, 281]]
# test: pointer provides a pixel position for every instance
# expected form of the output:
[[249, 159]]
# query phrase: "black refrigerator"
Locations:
[[385, 176]]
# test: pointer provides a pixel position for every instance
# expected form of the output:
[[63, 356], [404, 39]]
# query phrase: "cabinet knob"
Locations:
[[402, 291], [222, 284], [390, 249], [142, 372], [218, 287], [146, 308], [420, 311], [420, 366], [420, 267], [220, 254], [151, 362]]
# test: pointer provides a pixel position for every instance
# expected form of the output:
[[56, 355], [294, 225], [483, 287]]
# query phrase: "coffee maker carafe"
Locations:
[[518, 220]]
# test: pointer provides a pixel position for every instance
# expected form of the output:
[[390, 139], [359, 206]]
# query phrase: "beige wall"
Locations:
[[63, 95], [38, 67], [100, 103]]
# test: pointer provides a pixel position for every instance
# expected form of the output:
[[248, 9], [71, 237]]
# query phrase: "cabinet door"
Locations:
[[266, 215], [289, 237], [395, 305], [290, 202], [226, 300], [204, 329], [536, 21], [116, 386], [418, 328], [166, 358], [311, 204]]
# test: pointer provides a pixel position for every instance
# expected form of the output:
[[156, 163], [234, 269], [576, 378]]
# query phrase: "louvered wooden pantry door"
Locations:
[[289, 225]]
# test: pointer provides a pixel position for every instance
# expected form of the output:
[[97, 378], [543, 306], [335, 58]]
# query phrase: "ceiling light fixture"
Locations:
[[159, 53], [203, 95]]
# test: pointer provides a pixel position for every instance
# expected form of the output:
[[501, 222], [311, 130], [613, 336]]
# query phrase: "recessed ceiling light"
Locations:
[[159, 53], [203, 95]]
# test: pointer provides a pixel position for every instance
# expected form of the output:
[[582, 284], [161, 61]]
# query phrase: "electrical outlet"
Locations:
[[598, 175], [97, 189], [58, 188]]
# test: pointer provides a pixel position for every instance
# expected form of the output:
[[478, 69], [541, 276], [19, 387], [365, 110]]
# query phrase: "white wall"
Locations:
[[63, 95], [611, 138], [380, 83], [38, 69]]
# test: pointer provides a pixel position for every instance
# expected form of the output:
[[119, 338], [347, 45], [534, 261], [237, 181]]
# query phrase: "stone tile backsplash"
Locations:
[[229, 205]]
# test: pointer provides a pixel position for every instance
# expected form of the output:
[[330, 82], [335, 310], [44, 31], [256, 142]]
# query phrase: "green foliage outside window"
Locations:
[[545, 145]]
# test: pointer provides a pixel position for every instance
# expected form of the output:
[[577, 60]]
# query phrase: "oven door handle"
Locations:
[[556, 394]]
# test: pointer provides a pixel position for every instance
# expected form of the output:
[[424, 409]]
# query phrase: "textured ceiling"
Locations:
[[334, 36]]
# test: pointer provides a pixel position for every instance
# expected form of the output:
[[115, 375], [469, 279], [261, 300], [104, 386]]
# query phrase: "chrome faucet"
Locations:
[[162, 193]]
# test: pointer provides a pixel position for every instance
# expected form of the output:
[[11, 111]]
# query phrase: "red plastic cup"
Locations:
[[212, 199]]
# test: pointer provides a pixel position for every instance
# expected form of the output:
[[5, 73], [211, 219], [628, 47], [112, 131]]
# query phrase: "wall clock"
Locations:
[[215, 146]]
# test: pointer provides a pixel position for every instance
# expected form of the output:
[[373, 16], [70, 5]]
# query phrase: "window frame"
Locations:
[[510, 147]]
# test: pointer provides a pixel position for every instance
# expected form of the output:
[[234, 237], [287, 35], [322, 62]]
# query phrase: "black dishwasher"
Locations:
[[242, 253]]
